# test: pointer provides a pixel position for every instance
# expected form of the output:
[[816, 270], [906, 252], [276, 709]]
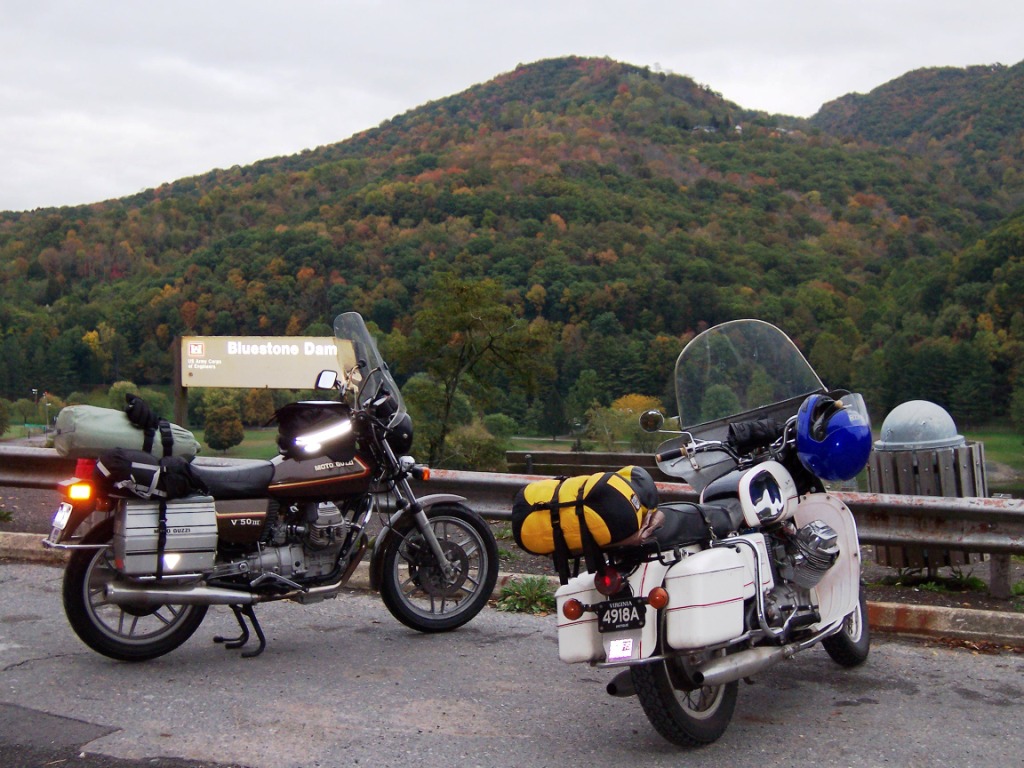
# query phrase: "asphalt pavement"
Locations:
[[343, 683]]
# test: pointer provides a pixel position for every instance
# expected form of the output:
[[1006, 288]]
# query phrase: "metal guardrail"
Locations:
[[993, 526]]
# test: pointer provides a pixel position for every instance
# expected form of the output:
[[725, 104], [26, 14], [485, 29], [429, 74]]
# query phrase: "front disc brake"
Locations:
[[429, 576]]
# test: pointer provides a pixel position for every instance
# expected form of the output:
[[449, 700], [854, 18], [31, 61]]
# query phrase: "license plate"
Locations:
[[63, 515], [620, 615]]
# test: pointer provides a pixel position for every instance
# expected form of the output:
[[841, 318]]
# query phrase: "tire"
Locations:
[[687, 718], [849, 647], [119, 632], [416, 591]]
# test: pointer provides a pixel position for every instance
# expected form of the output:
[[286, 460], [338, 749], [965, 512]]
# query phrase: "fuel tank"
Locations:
[[321, 478]]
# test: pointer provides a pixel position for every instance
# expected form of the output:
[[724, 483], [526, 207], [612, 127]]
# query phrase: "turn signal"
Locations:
[[658, 598], [572, 609], [79, 491], [608, 582]]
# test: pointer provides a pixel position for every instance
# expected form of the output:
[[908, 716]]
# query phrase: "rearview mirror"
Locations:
[[326, 380], [651, 421]]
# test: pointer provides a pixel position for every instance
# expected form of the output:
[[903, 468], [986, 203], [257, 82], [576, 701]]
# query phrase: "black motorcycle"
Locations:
[[153, 559]]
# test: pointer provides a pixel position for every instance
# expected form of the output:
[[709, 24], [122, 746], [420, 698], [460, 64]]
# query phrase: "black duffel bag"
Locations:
[[125, 472]]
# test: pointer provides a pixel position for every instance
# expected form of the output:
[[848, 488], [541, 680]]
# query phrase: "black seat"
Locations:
[[688, 523], [236, 481]]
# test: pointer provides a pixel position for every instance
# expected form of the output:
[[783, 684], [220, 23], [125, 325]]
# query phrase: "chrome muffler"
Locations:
[[152, 596], [736, 666], [130, 594]]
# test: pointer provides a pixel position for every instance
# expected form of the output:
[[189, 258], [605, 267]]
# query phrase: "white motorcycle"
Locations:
[[767, 564]]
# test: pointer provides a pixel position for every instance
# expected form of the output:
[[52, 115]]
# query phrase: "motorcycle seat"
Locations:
[[235, 481], [688, 523]]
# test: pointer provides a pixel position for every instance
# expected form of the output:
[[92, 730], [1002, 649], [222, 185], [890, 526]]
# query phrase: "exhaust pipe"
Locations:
[[726, 669], [621, 685], [130, 594], [124, 594]]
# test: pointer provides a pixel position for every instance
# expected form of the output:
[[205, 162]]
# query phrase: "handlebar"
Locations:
[[670, 455]]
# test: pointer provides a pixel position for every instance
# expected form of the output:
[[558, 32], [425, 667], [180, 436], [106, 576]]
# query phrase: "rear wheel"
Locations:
[[849, 647], [125, 633], [685, 715], [416, 588]]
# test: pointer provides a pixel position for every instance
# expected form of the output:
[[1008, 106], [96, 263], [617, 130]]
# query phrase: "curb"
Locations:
[[921, 621], [934, 622]]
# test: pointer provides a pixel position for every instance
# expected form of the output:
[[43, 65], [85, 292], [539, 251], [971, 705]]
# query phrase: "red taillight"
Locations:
[[572, 609], [84, 468], [608, 582]]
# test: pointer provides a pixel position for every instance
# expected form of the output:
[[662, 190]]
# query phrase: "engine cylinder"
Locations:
[[817, 547]]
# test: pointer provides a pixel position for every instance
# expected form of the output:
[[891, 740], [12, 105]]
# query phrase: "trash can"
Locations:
[[921, 454]]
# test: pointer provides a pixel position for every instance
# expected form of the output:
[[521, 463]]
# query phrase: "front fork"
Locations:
[[412, 514]]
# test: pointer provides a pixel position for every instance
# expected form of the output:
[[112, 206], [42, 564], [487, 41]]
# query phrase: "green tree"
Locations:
[[117, 392], [472, 447], [425, 399], [719, 401], [258, 407], [1017, 405], [465, 329], [223, 428], [5, 417]]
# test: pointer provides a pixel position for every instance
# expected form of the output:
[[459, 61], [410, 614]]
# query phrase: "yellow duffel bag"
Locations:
[[612, 504]]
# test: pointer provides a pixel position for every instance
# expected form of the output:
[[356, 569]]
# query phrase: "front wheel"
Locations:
[[124, 633], [419, 592], [685, 715], [850, 645]]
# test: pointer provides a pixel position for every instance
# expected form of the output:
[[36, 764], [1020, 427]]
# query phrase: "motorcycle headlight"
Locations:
[[313, 442], [765, 493]]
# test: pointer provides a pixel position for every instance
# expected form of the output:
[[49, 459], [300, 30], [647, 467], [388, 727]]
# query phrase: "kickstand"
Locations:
[[242, 639]]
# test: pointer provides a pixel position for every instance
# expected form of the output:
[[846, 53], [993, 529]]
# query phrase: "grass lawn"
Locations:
[[258, 444], [1002, 444]]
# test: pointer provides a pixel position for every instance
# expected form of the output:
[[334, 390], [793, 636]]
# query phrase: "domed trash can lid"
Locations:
[[918, 425]]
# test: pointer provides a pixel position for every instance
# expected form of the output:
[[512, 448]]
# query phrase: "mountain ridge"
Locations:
[[618, 205]]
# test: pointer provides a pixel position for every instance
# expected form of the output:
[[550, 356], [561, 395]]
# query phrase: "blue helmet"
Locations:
[[833, 437]]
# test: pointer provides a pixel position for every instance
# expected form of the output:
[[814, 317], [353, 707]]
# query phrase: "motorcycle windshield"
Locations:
[[738, 371], [362, 365]]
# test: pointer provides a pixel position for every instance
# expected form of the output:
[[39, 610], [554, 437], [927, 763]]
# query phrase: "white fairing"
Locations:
[[838, 591]]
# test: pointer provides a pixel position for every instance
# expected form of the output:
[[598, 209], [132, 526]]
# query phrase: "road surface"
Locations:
[[343, 683]]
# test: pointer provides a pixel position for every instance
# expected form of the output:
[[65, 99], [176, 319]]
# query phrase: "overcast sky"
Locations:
[[104, 98]]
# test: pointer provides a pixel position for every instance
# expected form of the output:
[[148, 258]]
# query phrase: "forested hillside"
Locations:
[[614, 210]]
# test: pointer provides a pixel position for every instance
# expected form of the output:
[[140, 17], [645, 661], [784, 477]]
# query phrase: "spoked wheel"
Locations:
[[685, 715], [125, 633], [849, 647], [417, 589]]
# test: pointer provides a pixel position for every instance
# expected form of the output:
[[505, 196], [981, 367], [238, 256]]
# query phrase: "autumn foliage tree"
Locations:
[[223, 428]]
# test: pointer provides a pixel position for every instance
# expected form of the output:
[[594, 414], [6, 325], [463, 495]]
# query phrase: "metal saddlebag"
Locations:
[[706, 591], [165, 538]]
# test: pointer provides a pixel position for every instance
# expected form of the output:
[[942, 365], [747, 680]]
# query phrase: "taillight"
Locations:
[[84, 468], [608, 581]]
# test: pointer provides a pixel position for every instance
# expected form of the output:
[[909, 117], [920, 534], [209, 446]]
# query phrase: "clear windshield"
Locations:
[[740, 370], [361, 364], [737, 371]]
